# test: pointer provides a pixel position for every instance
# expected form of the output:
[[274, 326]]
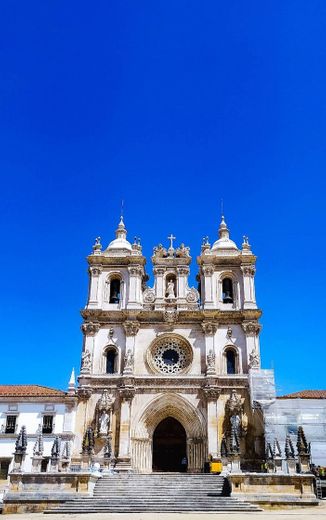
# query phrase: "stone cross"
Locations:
[[171, 238]]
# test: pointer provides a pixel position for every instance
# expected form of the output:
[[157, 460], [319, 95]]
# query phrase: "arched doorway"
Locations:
[[169, 445]]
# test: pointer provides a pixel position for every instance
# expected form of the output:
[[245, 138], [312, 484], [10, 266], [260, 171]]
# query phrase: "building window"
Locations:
[[47, 426], [111, 361], [227, 290], [11, 424], [4, 468], [230, 361], [115, 285]]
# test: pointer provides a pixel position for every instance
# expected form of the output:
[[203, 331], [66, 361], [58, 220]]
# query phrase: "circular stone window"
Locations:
[[169, 355]]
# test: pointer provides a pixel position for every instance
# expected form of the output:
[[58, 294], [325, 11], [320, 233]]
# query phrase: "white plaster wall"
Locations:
[[30, 415]]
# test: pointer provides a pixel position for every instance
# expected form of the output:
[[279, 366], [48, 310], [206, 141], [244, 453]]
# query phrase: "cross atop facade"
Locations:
[[171, 238]]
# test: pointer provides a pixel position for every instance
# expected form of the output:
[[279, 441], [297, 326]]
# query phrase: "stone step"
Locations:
[[157, 492]]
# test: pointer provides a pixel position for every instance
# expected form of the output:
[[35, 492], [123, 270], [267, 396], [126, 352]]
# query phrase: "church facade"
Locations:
[[164, 380]]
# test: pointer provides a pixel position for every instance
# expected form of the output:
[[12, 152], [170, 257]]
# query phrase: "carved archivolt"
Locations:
[[169, 354], [169, 405]]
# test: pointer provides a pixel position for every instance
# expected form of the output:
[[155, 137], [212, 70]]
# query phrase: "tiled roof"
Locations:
[[305, 394], [29, 391]]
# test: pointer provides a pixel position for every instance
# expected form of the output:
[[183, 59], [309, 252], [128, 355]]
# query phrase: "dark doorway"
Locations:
[[169, 446]]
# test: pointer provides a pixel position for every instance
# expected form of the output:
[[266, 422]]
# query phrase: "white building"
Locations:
[[46, 413]]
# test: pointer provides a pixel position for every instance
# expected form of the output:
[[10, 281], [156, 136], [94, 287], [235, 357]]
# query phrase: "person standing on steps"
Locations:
[[184, 464]]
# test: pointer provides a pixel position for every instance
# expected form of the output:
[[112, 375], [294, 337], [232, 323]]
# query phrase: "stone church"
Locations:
[[164, 381]]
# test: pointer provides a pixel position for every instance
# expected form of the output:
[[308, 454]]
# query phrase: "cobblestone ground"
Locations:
[[318, 513]]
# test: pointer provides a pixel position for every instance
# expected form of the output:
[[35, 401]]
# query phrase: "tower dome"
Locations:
[[224, 244], [120, 244]]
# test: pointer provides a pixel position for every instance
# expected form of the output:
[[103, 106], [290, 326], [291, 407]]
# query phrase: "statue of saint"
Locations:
[[129, 359], [254, 359], [170, 289], [104, 422], [86, 361]]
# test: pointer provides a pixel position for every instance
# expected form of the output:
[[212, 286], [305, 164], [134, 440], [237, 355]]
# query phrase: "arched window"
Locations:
[[115, 290], [227, 290], [111, 361], [230, 361]]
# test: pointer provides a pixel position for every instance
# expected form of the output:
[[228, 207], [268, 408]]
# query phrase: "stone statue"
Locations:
[[129, 360], [104, 423], [211, 359], [86, 361], [170, 289], [254, 359]]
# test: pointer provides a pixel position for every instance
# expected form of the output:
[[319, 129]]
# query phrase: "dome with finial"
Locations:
[[120, 244], [224, 245]]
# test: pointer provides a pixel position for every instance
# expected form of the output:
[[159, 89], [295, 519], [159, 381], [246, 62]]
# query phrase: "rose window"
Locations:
[[170, 355]]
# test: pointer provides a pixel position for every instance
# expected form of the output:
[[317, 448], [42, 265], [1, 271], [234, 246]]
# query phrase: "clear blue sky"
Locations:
[[170, 105]]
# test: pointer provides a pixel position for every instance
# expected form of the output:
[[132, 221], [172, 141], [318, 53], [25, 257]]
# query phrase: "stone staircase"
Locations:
[[157, 492]]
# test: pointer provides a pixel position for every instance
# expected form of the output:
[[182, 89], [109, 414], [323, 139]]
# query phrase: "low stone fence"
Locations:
[[269, 489], [31, 492]]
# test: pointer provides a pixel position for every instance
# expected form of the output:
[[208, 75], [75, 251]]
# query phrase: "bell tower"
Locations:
[[116, 273], [226, 280], [171, 272]]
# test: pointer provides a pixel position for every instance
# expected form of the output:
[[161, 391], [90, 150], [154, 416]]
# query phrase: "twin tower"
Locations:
[[169, 361]]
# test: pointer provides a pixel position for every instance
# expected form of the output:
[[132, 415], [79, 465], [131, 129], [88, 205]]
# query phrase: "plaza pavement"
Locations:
[[318, 513]]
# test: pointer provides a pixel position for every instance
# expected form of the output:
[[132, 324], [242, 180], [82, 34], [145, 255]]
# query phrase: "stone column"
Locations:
[[159, 287], [135, 276], [126, 396], [249, 286], [94, 284], [251, 330], [212, 394], [131, 329], [182, 283], [208, 271], [209, 329]]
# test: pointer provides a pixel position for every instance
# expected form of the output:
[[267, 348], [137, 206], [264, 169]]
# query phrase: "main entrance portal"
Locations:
[[169, 446]]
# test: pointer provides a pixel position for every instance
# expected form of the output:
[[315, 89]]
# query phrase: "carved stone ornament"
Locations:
[[251, 327], [211, 392], [171, 316], [208, 270], [160, 251], [105, 402], [233, 405], [135, 270], [192, 296], [131, 327], [159, 271], [210, 361], [254, 360], [129, 361], [182, 251], [149, 296], [183, 270], [86, 362], [127, 393], [84, 393], [209, 327], [89, 328], [111, 341], [95, 270], [248, 270]]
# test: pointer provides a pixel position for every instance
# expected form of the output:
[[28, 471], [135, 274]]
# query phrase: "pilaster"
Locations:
[[209, 329], [249, 286], [208, 271], [94, 286]]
